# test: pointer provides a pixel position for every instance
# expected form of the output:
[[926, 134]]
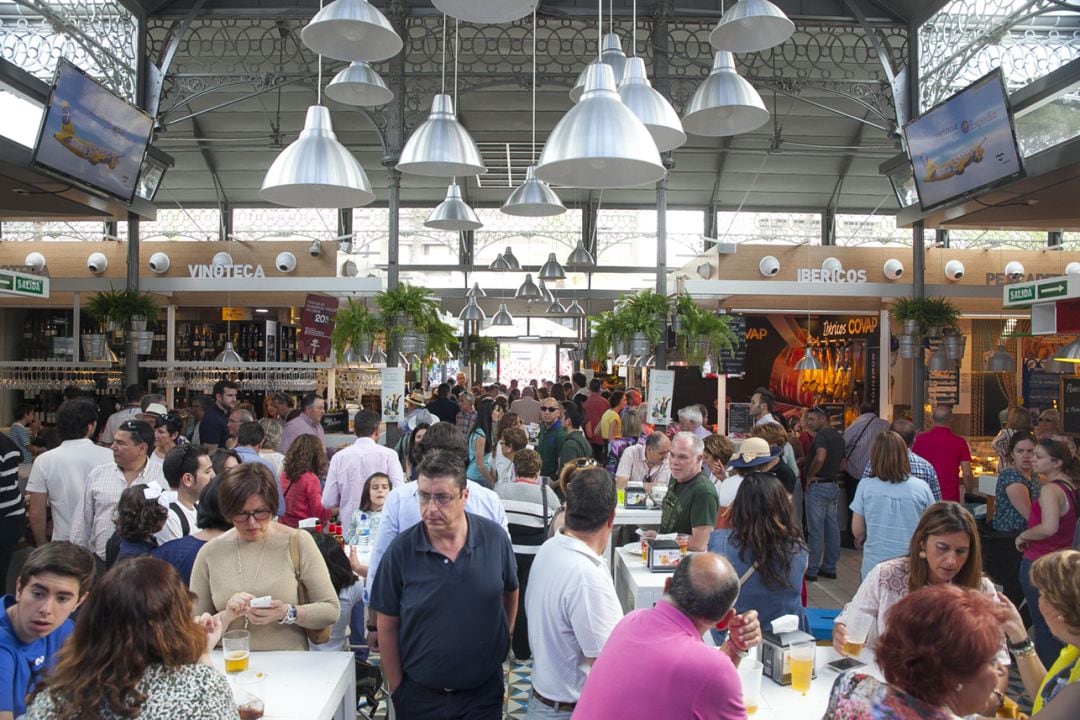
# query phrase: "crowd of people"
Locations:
[[481, 534]]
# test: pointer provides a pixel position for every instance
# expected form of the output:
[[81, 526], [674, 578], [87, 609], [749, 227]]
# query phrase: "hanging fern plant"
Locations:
[[354, 328]]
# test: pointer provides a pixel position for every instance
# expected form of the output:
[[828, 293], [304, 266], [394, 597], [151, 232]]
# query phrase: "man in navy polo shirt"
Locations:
[[213, 429], [446, 594], [34, 624]]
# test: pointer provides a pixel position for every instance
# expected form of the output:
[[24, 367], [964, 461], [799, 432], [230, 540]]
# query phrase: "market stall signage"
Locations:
[[1058, 288], [316, 324], [661, 392], [834, 276], [226, 271], [17, 283], [393, 394]]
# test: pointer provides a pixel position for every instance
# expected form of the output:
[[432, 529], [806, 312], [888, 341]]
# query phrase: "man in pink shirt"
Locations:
[[595, 406], [947, 452], [350, 468], [679, 676]]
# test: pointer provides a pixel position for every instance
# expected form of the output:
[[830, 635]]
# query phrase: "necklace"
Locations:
[[240, 561]]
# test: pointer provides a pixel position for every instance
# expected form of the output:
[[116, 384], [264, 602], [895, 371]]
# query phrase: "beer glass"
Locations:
[[857, 628], [802, 666], [750, 676], [236, 645]]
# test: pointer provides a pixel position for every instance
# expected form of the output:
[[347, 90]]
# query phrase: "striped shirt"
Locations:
[[921, 469], [11, 499], [524, 504], [94, 521], [21, 436]]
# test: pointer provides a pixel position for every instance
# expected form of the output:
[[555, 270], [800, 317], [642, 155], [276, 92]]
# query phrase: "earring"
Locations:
[[959, 687], [922, 554]]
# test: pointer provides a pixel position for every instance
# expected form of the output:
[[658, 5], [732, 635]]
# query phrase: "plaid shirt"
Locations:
[[921, 469], [465, 421]]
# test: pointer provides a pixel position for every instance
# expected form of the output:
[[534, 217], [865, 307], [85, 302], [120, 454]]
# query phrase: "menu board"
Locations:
[[944, 387], [661, 391], [1070, 405], [734, 364], [738, 419]]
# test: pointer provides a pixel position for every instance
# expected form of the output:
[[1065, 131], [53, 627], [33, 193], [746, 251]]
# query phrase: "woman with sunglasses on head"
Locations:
[[167, 435], [257, 558]]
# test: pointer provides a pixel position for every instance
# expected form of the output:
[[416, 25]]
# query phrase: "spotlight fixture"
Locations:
[[954, 270], [222, 258], [1014, 270], [893, 269], [769, 266]]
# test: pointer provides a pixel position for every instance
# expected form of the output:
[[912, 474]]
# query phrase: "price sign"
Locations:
[[1070, 405], [316, 324]]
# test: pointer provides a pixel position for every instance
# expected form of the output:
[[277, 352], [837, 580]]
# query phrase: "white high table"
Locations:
[[305, 685], [635, 517], [780, 702], [636, 586]]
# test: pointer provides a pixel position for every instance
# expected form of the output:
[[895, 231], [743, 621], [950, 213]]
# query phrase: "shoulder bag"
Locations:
[[318, 636]]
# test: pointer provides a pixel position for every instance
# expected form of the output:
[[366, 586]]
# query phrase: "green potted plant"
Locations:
[[483, 349], [701, 331], [603, 336], [404, 312], [907, 310], [939, 313], [645, 314], [117, 309], [440, 338], [355, 327]]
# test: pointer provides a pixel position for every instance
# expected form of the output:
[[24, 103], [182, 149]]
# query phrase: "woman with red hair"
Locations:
[[941, 658]]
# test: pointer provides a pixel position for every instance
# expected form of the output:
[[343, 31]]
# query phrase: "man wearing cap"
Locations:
[[414, 403], [822, 495], [690, 505], [442, 406], [753, 453]]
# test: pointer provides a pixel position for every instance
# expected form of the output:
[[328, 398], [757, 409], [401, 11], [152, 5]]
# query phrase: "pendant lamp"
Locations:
[[476, 291], [600, 143], [556, 308], [502, 317], [1069, 354], [580, 257], [1000, 361], [441, 147], [512, 261], [809, 361], [652, 108], [939, 363], [547, 296], [378, 357], [499, 263], [453, 213], [529, 290], [472, 312], [229, 356], [751, 26], [612, 55], [725, 103], [486, 11], [351, 30], [575, 309], [316, 170], [552, 270], [359, 85]]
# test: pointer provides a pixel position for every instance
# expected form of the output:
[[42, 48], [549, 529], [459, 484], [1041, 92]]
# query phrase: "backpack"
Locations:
[[185, 525]]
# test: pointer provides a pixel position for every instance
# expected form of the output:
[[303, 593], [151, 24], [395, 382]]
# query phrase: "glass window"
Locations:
[[626, 238], [179, 224], [54, 231], [1020, 239], [285, 224], [768, 228], [870, 231], [531, 239]]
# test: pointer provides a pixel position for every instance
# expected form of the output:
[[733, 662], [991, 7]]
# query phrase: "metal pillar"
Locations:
[[660, 357], [918, 290], [131, 358]]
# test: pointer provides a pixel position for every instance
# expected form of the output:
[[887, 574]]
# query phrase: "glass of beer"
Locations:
[[750, 676], [249, 692], [683, 541], [236, 645], [857, 628], [802, 666]]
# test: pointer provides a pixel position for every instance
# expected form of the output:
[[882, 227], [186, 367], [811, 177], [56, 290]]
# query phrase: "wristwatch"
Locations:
[[290, 616]]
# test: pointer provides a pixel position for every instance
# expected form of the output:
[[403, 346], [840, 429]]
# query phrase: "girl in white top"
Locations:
[[350, 589]]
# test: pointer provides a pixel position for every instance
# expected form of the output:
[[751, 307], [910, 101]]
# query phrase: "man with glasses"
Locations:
[[95, 521], [446, 600], [213, 429], [188, 470], [647, 464], [552, 437]]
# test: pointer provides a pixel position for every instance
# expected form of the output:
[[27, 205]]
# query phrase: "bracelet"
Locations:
[[1022, 649]]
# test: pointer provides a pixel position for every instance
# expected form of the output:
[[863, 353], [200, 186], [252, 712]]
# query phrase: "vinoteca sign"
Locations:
[[835, 276], [226, 271]]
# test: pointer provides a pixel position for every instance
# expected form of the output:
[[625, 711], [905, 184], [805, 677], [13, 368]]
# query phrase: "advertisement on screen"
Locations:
[[965, 144], [91, 136]]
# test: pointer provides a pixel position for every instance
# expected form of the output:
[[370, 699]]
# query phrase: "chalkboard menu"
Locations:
[[735, 364], [738, 419], [944, 387], [1070, 405]]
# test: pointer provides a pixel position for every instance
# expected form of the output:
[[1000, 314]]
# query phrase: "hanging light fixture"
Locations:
[[472, 312], [378, 357], [441, 147], [453, 213], [351, 30], [359, 85], [476, 291], [612, 55], [552, 270], [575, 309], [529, 290], [751, 26], [499, 263], [502, 317], [1069, 354], [725, 103], [546, 293], [652, 108], [1000, 361], [486, 11], [556, 308], [229, 356], [580, 257], [939, 363], [512, 261], [808, 362]]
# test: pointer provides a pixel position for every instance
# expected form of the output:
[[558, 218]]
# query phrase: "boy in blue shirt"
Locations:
[[35, 622]]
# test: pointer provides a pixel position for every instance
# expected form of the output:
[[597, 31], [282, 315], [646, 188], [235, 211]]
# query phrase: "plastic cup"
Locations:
[[802, 666], [856, 629], [621, 496], [249, 692], [750, 676], [684, 542], [236, 646]]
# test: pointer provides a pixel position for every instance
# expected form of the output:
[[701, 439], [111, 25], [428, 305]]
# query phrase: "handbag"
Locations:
[[318, 636]]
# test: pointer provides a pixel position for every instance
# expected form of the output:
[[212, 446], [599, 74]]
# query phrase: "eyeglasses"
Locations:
[[258, 515], [131, 425], [441, 500], [584, 462], [549, 408]]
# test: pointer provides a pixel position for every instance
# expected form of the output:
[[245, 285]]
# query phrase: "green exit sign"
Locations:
[[29, 286], [1022, 293], [19, 283]]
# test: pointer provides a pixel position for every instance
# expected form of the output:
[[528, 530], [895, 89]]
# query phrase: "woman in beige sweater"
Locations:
[[253, 560]]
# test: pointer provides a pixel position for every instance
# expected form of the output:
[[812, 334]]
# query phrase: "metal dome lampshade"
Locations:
[[751, 26], [316, 170], [351, 30], [580, 257], [453, 213], [939, 362], [547, 296], [552, 270], [476, 291], [359, 85], [556, 308], [575, 309], [441, 147], [472, 311], [600, 143], [486, 11], [529, 290], [725, 103], [611, 55], [808, 362], [651, 107], [1069, 354], [533, 198], [1000, 361], [499, 263], [229, 356], [512, 261], [502, 317]]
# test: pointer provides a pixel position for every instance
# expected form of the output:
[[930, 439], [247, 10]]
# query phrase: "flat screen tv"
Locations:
[[965, 144], [90, 136]]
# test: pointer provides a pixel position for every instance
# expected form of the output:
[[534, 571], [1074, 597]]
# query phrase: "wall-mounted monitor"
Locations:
[[90, 136], [965, 144]]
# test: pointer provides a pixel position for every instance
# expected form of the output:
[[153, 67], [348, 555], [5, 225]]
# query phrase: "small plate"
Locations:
[[632, 548]]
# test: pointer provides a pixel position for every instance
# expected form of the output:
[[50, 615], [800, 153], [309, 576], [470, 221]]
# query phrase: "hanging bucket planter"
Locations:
[[910, 347], [639, 344], [93, 347], [143, 341], [620, 348], [911, 327], [953, 346]]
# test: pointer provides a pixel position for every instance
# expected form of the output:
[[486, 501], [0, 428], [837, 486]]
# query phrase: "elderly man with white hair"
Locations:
[[690, 505], [691, 421]]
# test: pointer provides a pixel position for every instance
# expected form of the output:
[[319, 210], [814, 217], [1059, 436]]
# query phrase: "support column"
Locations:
[[1055, 238], [393, 343], [660, 356], [918, 291], [131, 359]]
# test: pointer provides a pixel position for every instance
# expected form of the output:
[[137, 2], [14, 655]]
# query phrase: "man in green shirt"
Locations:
[[552, 435], [575, 444], [690, 505]]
